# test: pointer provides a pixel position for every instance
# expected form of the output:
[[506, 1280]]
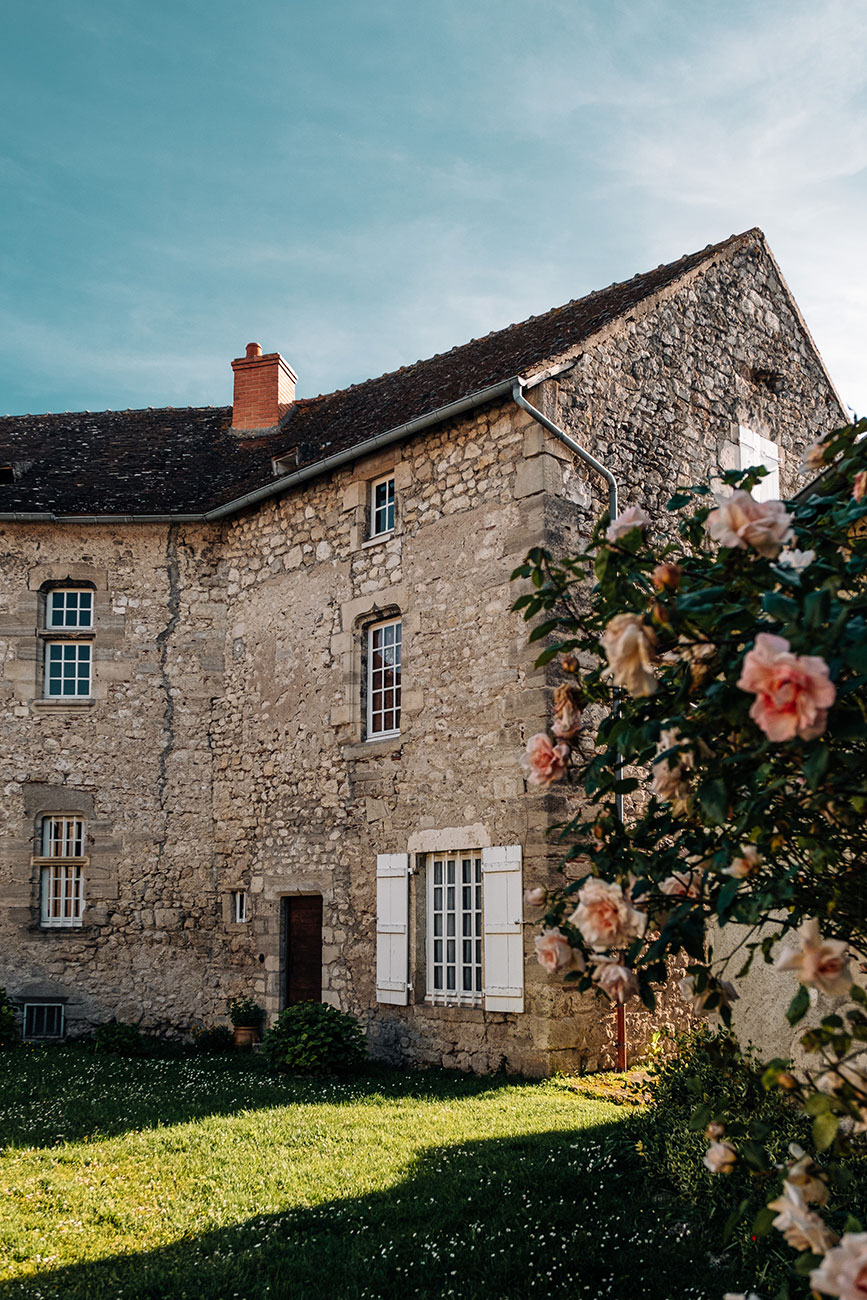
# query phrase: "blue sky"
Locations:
[[359, 183]]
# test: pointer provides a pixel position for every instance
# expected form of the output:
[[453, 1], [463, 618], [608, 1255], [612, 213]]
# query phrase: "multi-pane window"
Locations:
[[61, 857], [67, 668], [454, 928], [43, 1020], [68, 607], [383, 679], [382, 506], [67, 635]]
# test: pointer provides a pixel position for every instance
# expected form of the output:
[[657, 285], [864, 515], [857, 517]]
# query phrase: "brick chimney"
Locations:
[[264, 390]]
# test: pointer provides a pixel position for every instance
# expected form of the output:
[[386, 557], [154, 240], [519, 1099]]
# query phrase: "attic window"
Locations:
[[7, 475], [772, 380]]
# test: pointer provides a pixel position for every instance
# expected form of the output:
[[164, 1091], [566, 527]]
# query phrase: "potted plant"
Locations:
[[246, 1017]]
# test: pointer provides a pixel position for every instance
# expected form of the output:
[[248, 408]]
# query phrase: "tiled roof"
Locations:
[[185, 461]]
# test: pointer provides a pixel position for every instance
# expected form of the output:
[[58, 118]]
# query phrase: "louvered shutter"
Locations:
[[392, 927], [504, 940], [756, 450]]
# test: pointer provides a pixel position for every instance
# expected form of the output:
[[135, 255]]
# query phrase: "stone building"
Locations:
[[262, 688]]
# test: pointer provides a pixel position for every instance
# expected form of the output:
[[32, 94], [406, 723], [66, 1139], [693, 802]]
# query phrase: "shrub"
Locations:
[[119, 1039], [313, 1037], [213, 1039], [245, 1012], [9, 1031]]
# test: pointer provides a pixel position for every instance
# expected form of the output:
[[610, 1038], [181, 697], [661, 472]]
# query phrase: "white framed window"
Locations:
[[454, 928], [756, 450], [68, 669], [383, 679], [61, 861], [382, 506], [70, 607], [239, 905], [44, 1020]]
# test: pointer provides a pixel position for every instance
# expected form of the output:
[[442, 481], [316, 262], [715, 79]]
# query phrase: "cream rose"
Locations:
[[801, 1228], [843, 1271], [721, 1158], [628, 519], [620, 983], [605, 917], [683, 884], [535, 898], [567, 712], [630, 648], [821, 963], [793, 692], [740, 521]]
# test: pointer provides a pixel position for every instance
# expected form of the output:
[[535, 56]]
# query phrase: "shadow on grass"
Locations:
[[67, 1094], [553, 1214]]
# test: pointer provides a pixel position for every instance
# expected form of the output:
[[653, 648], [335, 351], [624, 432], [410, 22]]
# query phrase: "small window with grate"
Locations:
[[43, 1020]]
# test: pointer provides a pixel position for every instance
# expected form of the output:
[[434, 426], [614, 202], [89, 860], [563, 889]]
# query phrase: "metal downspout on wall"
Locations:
[[598, 468]]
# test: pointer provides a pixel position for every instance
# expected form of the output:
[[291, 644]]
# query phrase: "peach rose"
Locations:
[[668, 780], [749, 861], [628, 519], [666, 576], [821, 963], [683, 884], [543, 762], [721, 1158], [605, 917], [630, 647], [619, 983], [859, 487], [801, 1228], [567, 712], [843, 1271], [535, 898], [555, 955], [740, 521], [804, 1175], [793, 692]]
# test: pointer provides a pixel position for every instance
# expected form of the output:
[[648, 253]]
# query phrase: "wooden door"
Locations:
[[302, 946]]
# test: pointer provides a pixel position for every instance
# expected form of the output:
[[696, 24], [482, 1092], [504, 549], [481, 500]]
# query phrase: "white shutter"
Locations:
[[504, 939], [392, 927], [756, 450]]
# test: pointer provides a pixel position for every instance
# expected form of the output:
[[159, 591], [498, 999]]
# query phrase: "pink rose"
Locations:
[[740, 521], [620, 983], [721, 1158], [822, 963], [535, 898], [843, 1271], [605, 917], [543, 762], [631, 517], [859, 487], [801, 1228], [567, 712], [555, 955], [630, 647], [793, 692]]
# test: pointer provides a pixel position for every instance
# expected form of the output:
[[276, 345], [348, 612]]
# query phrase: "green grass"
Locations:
[[210, 1179]]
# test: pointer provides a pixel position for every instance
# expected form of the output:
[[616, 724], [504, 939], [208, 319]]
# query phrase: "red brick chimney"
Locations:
[[264, 390]]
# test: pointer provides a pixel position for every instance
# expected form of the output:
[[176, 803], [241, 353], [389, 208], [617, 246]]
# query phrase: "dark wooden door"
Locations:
[[302, 939]]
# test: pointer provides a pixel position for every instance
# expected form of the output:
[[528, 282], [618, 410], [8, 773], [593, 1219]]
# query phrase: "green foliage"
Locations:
[[213, 1039], [314, 1038], [119, 1039], [10, 1033], [245, 1012]]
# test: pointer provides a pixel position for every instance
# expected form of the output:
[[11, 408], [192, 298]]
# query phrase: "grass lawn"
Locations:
[[210, 1179]]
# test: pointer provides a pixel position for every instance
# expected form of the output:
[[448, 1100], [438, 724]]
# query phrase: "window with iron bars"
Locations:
[[61, 860], [454, 928]]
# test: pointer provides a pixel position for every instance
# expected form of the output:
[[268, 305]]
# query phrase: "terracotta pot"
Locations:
[[244, 1036]]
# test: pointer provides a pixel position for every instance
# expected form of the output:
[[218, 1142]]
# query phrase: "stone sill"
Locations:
[[374, 748], [58, 705], [378, 539]]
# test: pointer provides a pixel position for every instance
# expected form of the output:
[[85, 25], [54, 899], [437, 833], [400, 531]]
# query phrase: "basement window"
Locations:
[[43, 1020], [7, 475]]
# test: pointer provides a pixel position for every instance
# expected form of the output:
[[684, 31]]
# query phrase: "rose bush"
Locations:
[[729, 651]]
